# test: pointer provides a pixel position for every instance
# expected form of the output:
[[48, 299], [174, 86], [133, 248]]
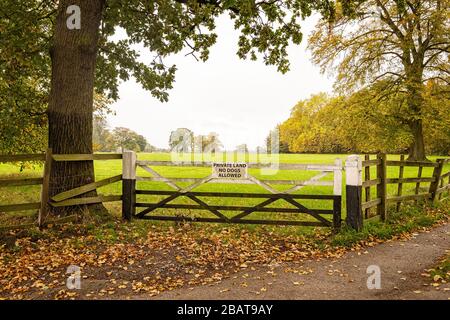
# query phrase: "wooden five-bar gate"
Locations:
[[146, 210]]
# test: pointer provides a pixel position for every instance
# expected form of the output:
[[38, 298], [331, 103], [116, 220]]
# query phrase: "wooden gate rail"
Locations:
[[240, 221], [251, 165], [238, 194], [85, 189], [223, 181], [247, 209]]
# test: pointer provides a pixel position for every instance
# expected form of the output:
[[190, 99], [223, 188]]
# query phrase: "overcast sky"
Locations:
[[240, 100]]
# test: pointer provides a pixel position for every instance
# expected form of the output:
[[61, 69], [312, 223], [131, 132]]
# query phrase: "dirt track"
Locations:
[[401, 264]]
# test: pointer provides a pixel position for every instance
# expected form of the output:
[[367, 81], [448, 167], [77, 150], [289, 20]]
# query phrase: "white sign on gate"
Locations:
[[232, 170]]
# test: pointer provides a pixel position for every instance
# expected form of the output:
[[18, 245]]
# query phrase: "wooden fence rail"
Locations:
[[439, 183], [63, 199]]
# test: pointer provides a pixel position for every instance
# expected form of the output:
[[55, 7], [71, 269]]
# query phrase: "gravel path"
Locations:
[[401, 264]]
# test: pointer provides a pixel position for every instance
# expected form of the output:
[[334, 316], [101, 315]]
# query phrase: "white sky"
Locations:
[[241, 100]]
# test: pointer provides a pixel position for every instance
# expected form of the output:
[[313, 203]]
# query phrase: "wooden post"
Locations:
[[337, 191], [367, 189], [353, 174], [437, 172], [382, 186], [128, 185], [417, 188], [43, 211], [337, 205], [441, 185], [400, 184], [337, 178]]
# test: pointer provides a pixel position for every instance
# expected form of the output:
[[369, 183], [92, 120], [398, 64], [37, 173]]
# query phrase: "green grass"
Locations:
[[104, 169], [409, 218]]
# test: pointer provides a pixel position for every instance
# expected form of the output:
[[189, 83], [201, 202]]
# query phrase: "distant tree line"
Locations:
[[118, 139], [359, 124]]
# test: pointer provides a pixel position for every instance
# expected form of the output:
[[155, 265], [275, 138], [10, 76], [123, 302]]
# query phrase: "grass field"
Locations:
[[104, 169]]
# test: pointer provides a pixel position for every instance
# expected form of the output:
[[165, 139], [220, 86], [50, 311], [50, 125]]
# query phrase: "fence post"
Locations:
[[128, 184], [400, 184], [382, 187], [437, 172], [43, 211], [337, 179], [367, 189], [337, 191], [353, 188]]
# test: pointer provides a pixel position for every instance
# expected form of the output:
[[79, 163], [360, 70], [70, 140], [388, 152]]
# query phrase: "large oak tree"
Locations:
[[84, 60], [403, 43]]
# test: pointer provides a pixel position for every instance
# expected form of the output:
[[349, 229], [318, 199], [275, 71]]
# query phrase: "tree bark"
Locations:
[[415, 103], [417, 147], [70, 111]]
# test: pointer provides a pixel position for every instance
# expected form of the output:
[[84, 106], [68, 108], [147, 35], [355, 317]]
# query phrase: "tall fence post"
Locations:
[[337, 179], [382, 187], [43, 211], [400, 184], [437, 172], [353, 188], [337, 191], [367, 189], [128, 184]]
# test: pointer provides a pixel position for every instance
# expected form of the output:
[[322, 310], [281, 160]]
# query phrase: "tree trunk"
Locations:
[[415, 103], [70, 111], [417, 147]]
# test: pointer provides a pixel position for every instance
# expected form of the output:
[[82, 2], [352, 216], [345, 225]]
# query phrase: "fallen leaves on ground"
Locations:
[[150, 262], [159, 261]]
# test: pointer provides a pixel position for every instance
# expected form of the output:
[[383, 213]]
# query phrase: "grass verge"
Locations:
[[410, 218]]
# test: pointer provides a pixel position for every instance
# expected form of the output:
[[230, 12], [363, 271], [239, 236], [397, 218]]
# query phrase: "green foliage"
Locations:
[[399, 45], [24, 75], [164, 27], [125, 138], [312, 125], [167, 27], [105, 140]]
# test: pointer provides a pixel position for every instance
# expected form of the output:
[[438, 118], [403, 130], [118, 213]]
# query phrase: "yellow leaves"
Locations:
[[64, 294], [435, 284], [437, 278]]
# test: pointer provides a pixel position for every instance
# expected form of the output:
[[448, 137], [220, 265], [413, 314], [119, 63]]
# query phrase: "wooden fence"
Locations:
[[439, 183], [438, 180], [63, 199]]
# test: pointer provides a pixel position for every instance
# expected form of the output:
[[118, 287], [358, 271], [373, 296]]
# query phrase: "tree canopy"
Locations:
[[354, 124], [402, 44]]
